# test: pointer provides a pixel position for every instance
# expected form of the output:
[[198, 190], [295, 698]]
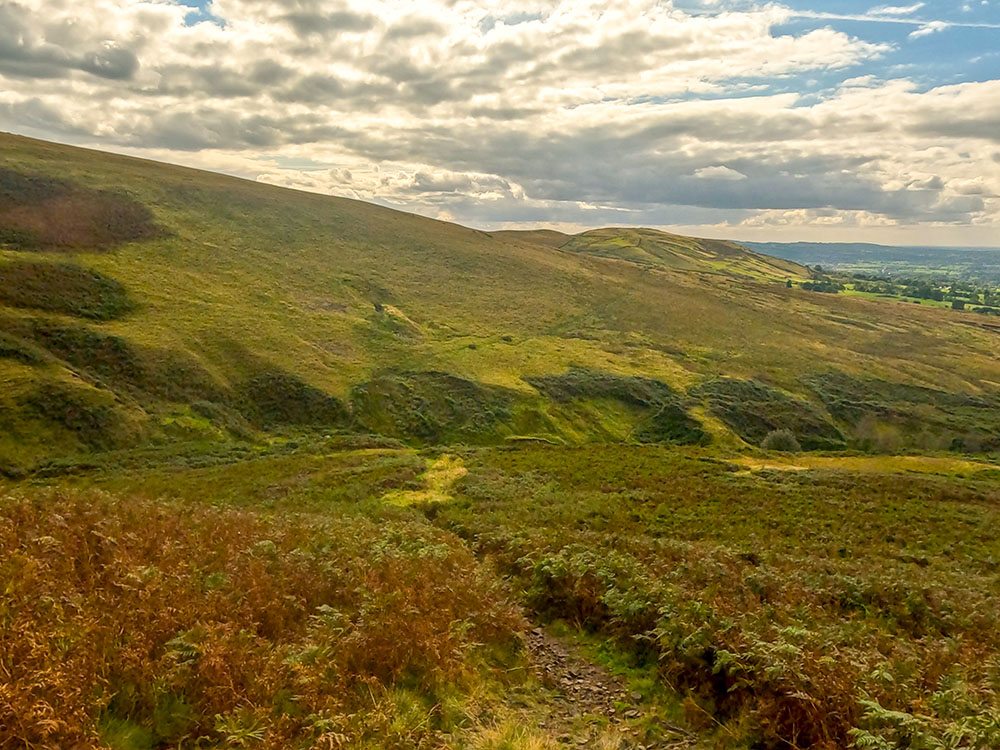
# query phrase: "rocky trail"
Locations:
[[591, 707]]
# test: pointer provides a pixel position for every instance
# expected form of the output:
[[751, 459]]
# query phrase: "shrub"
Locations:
[[274, 397], [752, 410], [431, 406], [666, 421], [781, 440], [41, 213]]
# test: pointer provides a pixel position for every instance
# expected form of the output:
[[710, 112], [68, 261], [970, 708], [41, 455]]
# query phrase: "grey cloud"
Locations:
[[182, 80], [313, 88], [269, 73], [35, 116], [305, 24], [112, 62], [24, 54], [458, 183], [412, 28], [504, 113], [207, 128], [951, 126], [599, 167], [931, 183]]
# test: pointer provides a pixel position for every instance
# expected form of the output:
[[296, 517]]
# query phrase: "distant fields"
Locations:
[[970, 263]]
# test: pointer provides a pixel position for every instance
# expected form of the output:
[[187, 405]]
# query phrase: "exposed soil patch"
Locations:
[[43, 213]]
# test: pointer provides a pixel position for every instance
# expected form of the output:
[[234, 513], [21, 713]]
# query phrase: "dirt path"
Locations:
[[593, 708]]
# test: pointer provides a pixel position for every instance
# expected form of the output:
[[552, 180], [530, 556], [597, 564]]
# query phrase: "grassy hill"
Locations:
[[142, 303]]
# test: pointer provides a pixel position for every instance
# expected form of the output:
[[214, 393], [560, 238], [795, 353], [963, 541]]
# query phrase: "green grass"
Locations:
[[238, 299]]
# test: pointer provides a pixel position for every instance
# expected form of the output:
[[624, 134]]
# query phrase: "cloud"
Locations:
[[495, 112], [719, 173], [929, 28], [896, 10]]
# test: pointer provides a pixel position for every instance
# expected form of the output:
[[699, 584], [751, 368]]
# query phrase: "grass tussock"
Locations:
[[149, 625]]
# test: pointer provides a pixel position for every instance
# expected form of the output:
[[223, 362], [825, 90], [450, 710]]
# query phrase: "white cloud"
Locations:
[[929, 28], [896, 10], [495, 112], [719, 173]]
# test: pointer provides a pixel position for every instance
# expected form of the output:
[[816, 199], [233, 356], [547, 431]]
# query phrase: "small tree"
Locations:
[[781, 440]]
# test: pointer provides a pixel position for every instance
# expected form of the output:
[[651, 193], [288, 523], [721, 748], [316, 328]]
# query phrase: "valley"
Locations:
[[279, 469]]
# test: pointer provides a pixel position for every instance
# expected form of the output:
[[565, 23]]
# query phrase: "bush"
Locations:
[[667, 420], [67, 216], [274, 397], [781, 440]]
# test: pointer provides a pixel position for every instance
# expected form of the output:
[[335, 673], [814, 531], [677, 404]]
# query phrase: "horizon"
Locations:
[[715, 118]]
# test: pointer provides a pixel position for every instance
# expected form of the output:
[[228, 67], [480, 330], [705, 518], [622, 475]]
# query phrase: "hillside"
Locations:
[[284, 470], [142, 303], [656, 249]]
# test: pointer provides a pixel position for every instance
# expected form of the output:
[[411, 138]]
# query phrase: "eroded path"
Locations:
[[590, 707]]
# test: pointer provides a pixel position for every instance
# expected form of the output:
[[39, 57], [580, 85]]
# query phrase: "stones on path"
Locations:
[[586, 689]]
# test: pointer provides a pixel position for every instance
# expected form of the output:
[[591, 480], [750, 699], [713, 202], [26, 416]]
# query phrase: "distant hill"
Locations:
[[148, 304], [656, 249], [972, 263]]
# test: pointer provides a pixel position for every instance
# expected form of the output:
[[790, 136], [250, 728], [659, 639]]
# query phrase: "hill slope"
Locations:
[[656, 249], [145, 302]]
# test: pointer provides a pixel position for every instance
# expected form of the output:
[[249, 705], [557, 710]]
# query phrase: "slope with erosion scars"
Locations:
[[336, 292]]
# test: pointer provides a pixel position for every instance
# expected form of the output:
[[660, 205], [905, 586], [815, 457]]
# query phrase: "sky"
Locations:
[[778, 121]]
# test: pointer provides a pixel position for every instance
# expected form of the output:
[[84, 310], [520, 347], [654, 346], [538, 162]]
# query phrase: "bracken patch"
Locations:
[[149, 625], [42, 213]]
